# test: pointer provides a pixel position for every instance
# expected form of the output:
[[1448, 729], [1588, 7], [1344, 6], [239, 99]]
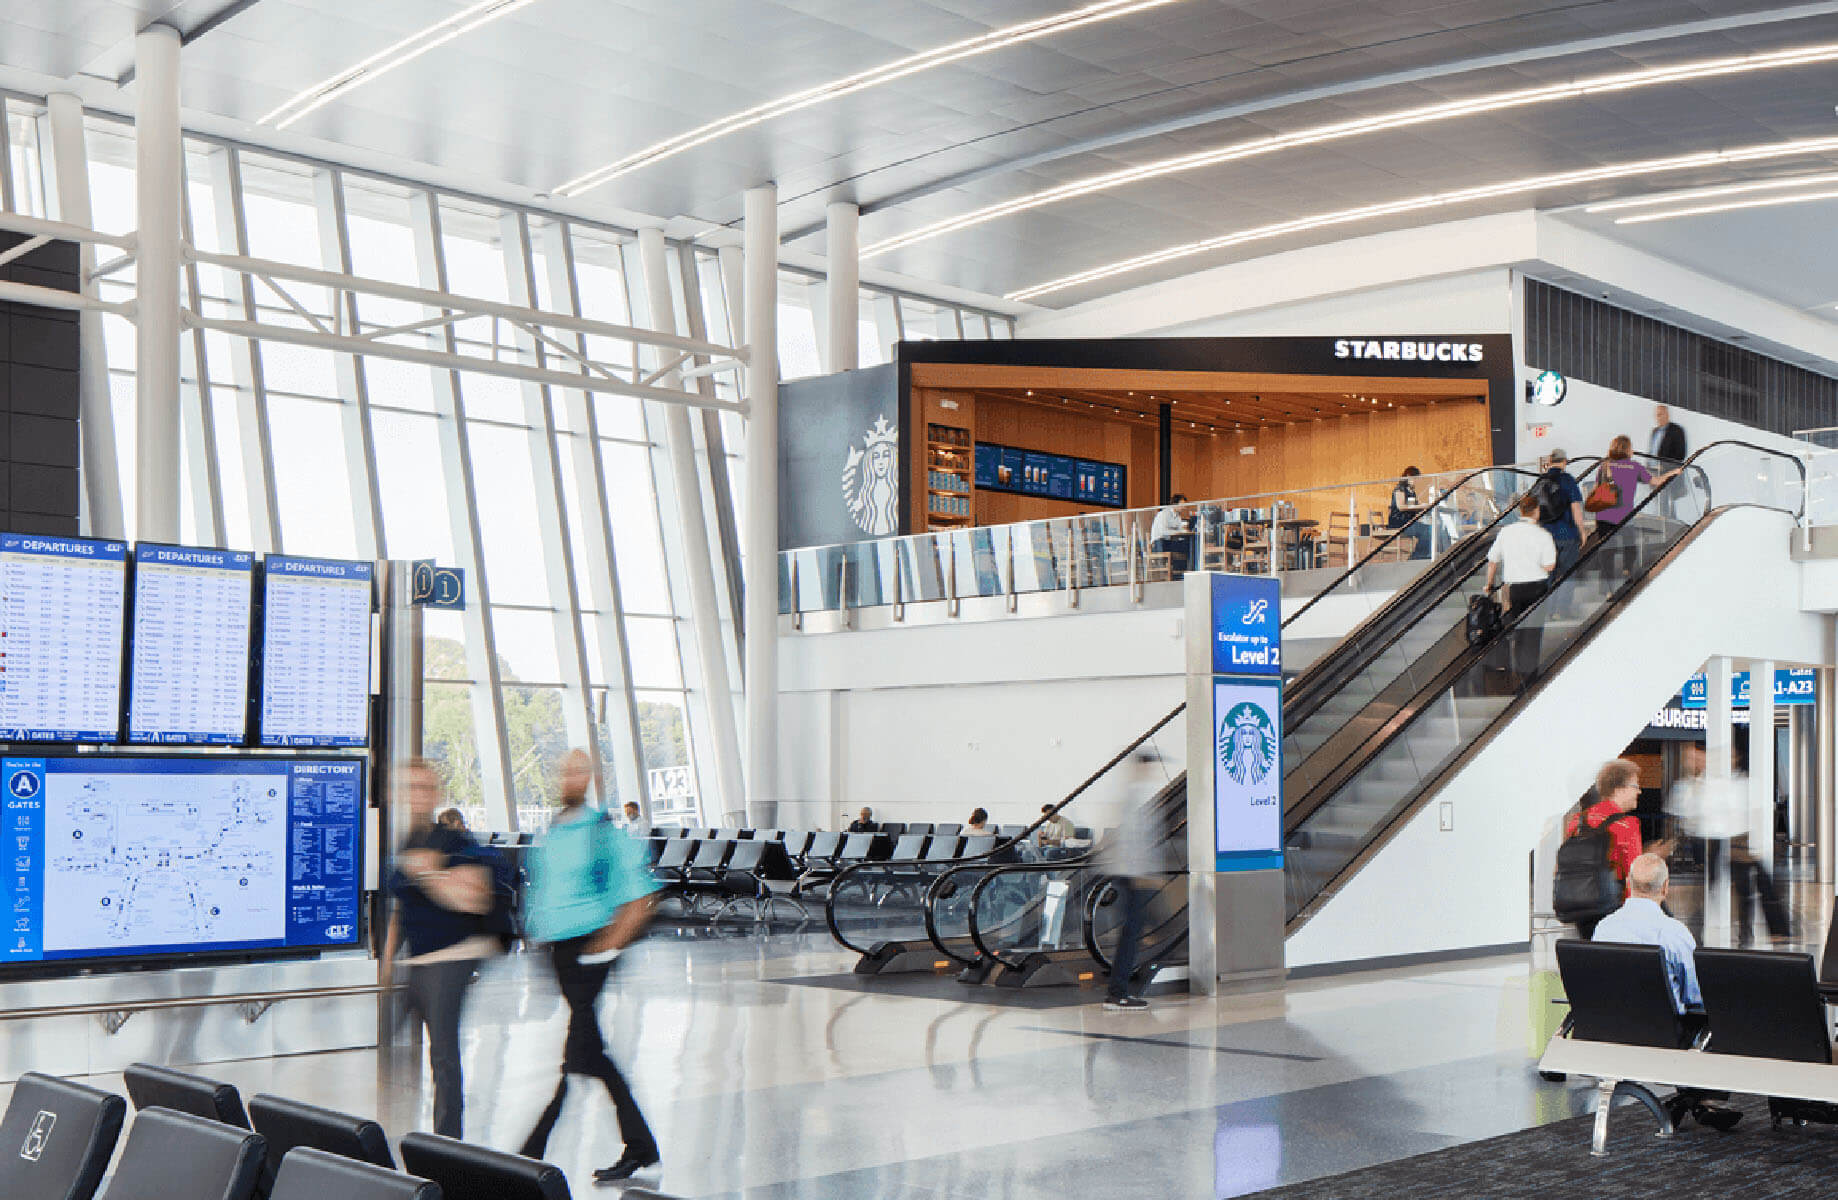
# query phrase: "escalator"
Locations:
[[913, 916], [1378, 726]]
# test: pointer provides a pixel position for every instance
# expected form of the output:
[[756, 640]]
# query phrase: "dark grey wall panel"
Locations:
[[39, 399], [839, 458]]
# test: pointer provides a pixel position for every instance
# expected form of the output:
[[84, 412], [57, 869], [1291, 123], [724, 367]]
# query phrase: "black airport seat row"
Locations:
[[191, 1139], [1763, 1030]]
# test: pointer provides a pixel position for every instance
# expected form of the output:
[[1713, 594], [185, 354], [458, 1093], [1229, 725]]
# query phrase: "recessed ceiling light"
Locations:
[[1403, 118], [1433, 200], [900, 68], [388, 59]]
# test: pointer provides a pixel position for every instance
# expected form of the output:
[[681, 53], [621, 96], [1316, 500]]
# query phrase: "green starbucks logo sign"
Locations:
[[1247, 744]]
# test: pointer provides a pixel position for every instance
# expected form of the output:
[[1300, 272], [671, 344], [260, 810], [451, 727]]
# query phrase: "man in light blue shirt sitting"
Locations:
[[1641, 921]]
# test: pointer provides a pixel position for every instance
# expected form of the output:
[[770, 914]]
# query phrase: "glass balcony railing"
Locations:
[[1267, 533]]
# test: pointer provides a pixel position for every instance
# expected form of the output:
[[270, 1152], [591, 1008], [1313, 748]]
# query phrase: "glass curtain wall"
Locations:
[[577, 631]]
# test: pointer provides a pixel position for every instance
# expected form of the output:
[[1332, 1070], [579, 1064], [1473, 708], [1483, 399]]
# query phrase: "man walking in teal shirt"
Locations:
[[590, 897]]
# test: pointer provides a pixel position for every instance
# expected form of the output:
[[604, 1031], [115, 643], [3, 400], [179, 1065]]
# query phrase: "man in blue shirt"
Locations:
[[1561, 513], [1641, 921]]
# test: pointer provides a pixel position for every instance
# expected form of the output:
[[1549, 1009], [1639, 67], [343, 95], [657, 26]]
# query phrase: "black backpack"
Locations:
[[1484, 618], [1552, 508], [1585, 887], [501, 921]]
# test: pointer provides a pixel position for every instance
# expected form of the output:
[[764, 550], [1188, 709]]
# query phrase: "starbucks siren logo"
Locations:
[[872, 494], [1247, 743]]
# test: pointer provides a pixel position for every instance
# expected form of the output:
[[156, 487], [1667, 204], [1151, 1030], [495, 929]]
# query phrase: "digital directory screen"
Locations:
[[115, 856], [188, 662], [315, 672], [61, 605]]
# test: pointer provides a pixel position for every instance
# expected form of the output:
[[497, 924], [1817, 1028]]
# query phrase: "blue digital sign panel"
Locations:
[[1247, 625], [1792, 686], [1054, 476], [1248, 774], [155, 856], [189, 667], [61, 607], [315, 652]]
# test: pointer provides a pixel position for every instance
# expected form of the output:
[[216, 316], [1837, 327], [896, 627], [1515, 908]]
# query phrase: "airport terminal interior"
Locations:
[[806, 599]]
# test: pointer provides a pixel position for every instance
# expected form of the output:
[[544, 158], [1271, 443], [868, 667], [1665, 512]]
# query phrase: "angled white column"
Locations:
[[101, 467], [692, 516], [157, 184], [246, 367], [843, 284], [1717, 772], [761, 535], [353, 384]]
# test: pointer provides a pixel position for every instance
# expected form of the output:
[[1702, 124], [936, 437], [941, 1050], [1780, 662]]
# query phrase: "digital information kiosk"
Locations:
[[1235, 780]]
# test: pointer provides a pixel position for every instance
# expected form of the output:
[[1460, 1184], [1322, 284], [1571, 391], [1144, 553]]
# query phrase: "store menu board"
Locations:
[[1054, 476], [188, 671], [149, 856], [315, 672], [61, 602]]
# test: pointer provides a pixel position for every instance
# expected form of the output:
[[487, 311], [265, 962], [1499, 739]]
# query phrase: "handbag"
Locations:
[[1604, 495]]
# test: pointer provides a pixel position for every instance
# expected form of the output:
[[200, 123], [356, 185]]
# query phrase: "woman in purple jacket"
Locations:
[[1627, 474]]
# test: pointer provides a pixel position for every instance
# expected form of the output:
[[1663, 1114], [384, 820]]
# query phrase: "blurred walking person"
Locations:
[[591, 896], [1136, 857], [442, 885]]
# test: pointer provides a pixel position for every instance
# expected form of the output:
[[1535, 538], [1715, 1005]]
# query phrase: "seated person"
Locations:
[[979, 825], [864, 823], [1171, 533], [1641, 921], [1055, 830], [630, 814]]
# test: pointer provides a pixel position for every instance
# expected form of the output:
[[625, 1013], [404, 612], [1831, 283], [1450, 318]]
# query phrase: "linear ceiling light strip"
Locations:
[[1652, 166], [1713, 193], [1731, 206], [996, 39], [1341, 130], [386, 60]]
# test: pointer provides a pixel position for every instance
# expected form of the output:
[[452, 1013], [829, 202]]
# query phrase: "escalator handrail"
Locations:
[[950, 865], [1294, 814], [1091, 933]]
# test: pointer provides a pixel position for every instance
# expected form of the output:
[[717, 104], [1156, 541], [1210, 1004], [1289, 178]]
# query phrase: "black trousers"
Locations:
[[1523, 642], [1747, 877], [1134, 895], [436, 996], [584, 1053]]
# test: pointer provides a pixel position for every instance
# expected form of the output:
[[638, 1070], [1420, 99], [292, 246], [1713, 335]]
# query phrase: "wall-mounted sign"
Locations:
[[1792, 686], [840, 458], [432, 586], [1247, 626], [1397, 350], [1248, 774], [1548, 388], [1055, 476]]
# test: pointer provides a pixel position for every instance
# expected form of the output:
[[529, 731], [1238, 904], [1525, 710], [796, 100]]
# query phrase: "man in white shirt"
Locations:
[[1169, 534], [1522, 556]]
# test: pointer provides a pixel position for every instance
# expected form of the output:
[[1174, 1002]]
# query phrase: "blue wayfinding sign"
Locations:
[[1792, 685], [1247, 719], [1247, 626], [437, 587]]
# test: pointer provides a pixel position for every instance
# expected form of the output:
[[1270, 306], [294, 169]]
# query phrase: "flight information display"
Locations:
[[188, 672], [1055, 476], [61, 602], [150, 856], [315, 652]]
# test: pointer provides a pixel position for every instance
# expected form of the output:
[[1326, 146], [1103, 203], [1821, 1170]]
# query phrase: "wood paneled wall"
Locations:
[[1055, 431]]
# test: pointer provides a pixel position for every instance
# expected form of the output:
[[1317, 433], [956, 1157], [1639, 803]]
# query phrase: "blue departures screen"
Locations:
[[189, 667], [315, 652], [61, 603], [148, 856]]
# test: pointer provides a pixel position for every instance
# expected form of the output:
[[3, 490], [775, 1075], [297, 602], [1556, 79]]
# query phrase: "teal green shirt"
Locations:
[[583, 871]]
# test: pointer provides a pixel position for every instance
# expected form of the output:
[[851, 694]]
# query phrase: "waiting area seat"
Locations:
[[151, 1086], [177, 1156], [287, 1125], [307, 1174], [70, 1165], [1765, 1031], [468, 1172]]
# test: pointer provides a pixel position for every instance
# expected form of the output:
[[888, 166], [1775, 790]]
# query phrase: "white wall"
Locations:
[[1734, 591]]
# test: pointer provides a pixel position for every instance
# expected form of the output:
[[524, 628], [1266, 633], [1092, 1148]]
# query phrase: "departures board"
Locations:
[[61, 604], [315, 671], [189, 667]]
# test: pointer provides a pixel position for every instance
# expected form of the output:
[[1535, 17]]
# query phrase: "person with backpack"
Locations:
[[1521, 557], [1601, 841], [1560, 511], [444, 895], [591, 896]]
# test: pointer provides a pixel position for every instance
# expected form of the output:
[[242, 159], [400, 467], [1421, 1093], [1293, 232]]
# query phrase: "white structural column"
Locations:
[[101, 468], [158, 181], [1825, 773], [844, 286], [761, 533], [1761, 763], [692, 518], [1717, 782], [353, 384]]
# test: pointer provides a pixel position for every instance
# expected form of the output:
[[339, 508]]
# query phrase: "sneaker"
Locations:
[[628, 1166], [1126, 1004], [1718, 1116]]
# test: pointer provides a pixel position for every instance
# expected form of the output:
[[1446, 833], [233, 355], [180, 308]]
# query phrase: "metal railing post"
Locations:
[[899, 586], [797, 610], [1132, 555], [842, 592], [1072, 563], [952, 605], [1014, 598]]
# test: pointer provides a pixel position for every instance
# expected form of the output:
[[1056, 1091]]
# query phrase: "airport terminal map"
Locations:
[[144, 856]]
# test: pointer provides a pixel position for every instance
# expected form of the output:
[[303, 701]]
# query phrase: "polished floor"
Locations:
[[759, 1088]]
